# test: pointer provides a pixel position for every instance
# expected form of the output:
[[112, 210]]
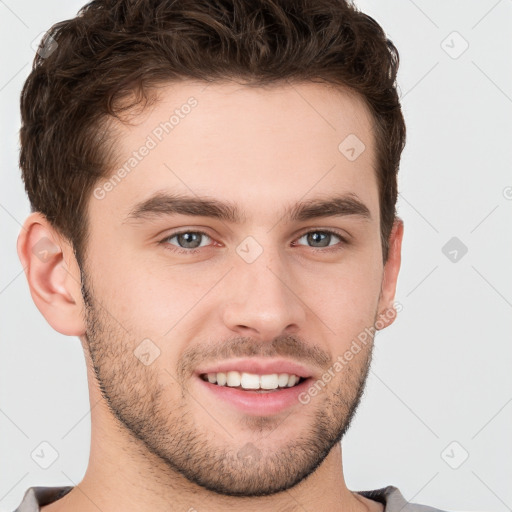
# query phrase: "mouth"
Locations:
[[255, 386], [252, 382], [248, 396]]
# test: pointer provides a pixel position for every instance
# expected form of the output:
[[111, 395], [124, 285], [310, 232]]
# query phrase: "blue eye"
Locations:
[[321, 237], [190, 242]]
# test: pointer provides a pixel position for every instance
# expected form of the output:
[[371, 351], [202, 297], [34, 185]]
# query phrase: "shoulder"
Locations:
[[36, 497], [394, 501]]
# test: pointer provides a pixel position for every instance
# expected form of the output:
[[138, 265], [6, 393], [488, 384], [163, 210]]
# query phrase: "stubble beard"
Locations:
[[158, 416]]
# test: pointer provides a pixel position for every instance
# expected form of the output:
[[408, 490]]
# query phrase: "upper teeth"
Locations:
[[252, 380]]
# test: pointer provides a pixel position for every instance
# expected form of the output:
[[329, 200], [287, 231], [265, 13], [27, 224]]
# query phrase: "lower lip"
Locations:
[[257, 403]]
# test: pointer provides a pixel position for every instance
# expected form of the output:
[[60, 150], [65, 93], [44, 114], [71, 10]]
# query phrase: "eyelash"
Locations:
[[178, 250]]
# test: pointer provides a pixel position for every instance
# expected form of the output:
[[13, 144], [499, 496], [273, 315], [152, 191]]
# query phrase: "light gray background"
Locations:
[[441, 373]]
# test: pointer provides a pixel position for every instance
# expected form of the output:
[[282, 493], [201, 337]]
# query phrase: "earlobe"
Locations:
[[387, 312], [52, 274]]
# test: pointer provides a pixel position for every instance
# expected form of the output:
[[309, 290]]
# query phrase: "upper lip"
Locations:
[[261, 366]]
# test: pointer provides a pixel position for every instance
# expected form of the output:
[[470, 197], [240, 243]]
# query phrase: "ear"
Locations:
[[387, 312], [53, 274]]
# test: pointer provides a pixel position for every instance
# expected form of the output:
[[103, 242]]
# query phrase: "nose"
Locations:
[[261, 298]]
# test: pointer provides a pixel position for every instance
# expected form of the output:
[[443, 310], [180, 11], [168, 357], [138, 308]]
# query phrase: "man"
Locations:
[[213, 188]]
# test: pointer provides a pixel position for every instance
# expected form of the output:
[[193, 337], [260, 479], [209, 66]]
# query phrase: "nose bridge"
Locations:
[[260, 297]]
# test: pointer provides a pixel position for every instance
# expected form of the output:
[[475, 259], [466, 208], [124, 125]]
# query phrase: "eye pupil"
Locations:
[[319, 236], [193, 239], [189, 240]]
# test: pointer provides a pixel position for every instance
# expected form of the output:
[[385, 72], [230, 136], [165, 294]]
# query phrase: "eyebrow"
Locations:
[[163, 204]]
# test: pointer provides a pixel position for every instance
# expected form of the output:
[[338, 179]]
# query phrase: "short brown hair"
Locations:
[[117, 49]]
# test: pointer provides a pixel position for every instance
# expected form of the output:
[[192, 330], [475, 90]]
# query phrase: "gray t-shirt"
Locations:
[[390, 496]]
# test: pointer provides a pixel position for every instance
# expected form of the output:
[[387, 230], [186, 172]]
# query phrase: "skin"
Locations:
[[157, 440]]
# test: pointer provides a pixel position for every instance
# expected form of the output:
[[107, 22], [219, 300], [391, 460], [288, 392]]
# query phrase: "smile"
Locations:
[[252, 381]]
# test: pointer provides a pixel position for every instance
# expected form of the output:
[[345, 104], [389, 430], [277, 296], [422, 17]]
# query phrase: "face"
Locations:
[[211, 255]]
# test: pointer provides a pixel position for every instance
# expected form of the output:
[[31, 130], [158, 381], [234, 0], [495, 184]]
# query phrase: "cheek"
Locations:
[[159, 301], [150, 296], [347, 299], [134, 281]]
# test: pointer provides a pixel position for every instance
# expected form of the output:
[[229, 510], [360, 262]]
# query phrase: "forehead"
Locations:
[[257, 144]]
